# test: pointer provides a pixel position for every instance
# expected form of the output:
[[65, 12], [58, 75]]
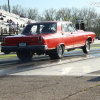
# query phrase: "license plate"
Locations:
[[22, 44]]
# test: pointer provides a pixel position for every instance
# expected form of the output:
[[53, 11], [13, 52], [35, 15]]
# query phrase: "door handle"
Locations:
[[63, 33]]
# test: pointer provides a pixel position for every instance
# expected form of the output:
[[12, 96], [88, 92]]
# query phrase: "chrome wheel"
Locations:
[[57, 53], [86, 47], [60, 51]]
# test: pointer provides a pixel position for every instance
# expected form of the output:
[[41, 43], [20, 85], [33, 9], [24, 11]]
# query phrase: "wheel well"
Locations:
[[62, 45], [90, 40]]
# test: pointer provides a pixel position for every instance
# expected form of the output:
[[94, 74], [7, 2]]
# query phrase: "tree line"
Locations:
[[89, 15]]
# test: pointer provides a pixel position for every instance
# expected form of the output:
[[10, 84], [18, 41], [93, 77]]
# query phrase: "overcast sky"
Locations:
[[41, 5]]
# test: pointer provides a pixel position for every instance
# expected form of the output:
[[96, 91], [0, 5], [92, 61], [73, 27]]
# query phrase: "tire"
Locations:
[[57, 53], [24, 55], [86, 47], [6, 52]]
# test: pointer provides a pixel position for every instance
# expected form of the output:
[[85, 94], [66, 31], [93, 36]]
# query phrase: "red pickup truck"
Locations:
[[50, 38]]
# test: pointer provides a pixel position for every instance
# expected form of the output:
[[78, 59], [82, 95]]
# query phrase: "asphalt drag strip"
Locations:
[[69, 65], [71, 78], [58, 67]]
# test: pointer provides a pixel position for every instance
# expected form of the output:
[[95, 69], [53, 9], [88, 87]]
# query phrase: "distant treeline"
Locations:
[[89, 15]]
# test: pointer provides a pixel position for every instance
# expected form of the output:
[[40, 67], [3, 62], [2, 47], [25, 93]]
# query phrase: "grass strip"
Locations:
[[7, 56], [90, 48]]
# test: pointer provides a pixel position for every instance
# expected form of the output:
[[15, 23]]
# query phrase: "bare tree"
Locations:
[[41, 18], [23, 12], [0, 7], [60, 15], [75, 12], [17, 9], [49, 15], [97, 21], [64, 14], [5, 7], [32, 14], [90, 15]]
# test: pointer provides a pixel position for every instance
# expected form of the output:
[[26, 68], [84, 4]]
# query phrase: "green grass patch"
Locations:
[[0, 47], [81, 49], [7, 56], [90, 48], [94, 47]]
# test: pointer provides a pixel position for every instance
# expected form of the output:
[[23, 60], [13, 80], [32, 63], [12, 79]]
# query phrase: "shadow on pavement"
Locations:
[[95, 79]]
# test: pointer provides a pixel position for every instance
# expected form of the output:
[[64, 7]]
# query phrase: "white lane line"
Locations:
[[66, 70]]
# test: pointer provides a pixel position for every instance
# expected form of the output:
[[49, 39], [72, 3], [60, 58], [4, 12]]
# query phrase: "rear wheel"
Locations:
[[86, 47], [6, 52], [24, 55], [57, 53]]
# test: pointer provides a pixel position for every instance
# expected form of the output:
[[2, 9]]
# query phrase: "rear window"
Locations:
[[40, 28]]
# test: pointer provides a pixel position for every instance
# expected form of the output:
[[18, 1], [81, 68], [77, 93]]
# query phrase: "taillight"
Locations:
[[3, 39], [40, 39]]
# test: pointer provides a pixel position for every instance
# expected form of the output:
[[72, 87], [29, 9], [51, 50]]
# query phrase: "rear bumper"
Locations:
[[32, 48]]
